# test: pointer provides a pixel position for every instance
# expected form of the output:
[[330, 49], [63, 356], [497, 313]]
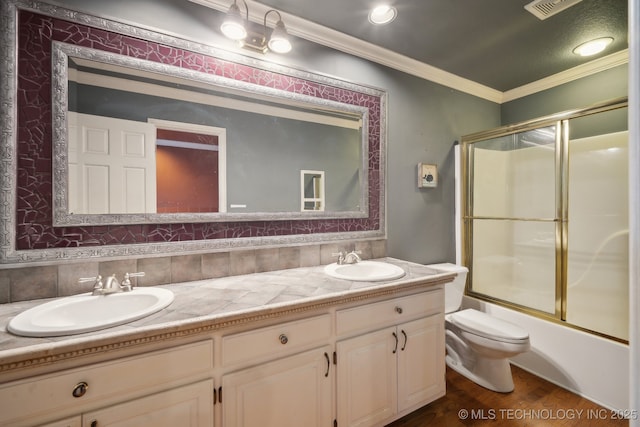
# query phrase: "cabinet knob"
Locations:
[[80, 389], [283, 339], [398, 310], [94, 423]]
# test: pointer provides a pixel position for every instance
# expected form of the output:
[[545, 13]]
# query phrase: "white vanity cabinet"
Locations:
[[166, 387], [393, 361], [361, 358], [282, 377]]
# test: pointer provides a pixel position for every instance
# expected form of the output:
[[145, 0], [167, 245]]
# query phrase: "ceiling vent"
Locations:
[[543, 9]]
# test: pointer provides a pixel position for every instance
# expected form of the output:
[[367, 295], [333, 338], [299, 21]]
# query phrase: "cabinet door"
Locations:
[[421, 372], [187, 406], [367, 373], [290, 392]]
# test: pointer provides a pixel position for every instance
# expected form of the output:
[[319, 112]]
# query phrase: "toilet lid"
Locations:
[[482, 324]]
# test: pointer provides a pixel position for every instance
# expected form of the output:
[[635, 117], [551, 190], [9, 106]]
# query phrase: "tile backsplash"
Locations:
[[28, 283]]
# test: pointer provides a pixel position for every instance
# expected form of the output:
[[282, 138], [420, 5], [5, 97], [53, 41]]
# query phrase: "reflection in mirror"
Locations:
[[147, 142], [123, 166], [190, 167], [312, 190]]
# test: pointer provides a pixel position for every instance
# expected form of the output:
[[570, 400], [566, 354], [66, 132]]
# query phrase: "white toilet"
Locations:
[[479, 345]]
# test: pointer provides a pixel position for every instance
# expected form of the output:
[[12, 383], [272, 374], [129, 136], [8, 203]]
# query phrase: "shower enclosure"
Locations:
[[545, 217]]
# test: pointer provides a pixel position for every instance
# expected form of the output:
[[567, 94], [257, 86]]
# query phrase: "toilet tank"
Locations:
[[453, 291]]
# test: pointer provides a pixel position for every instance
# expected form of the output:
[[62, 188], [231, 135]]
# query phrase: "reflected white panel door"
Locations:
[[111, 165]]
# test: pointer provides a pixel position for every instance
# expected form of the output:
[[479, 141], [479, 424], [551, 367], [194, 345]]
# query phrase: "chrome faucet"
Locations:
[[112, 285], [348, 257], [352, 257]]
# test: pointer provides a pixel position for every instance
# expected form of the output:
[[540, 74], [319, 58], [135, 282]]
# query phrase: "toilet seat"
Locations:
[[482, 324]]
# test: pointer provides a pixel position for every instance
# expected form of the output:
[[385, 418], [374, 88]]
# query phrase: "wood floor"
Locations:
[[534, 402]]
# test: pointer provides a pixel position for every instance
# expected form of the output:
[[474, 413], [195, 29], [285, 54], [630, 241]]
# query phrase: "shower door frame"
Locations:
[[561, 123]]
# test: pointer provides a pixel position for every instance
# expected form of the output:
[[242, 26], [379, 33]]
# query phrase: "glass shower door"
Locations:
[[546, 226], [513, 218]]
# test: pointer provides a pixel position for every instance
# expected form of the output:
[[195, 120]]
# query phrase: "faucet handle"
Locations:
[[126, 284], [90, 279], [97, 286], [340, 256], [138, 274]]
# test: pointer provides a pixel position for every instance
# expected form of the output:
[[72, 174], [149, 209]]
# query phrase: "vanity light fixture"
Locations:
[[593, 47], [235, 26], [382, 14]]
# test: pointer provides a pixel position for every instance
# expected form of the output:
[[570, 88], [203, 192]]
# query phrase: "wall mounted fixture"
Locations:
[[235, 27], [593, 46], [427, 175]]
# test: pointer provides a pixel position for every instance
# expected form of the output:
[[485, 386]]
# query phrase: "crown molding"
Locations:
[[575, 73], [319, 34]]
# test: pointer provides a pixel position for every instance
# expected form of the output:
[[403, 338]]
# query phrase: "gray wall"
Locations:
[[424, 120], [264, 154], [603, 86]]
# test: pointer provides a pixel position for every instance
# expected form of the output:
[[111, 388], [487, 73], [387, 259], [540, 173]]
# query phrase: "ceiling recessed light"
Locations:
[[593, 46], [382, 14]]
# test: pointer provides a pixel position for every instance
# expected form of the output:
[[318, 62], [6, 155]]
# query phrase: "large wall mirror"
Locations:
[[146, 141], [246, 130]]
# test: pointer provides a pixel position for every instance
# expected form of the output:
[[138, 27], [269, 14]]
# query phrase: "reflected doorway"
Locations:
[[190, 167]]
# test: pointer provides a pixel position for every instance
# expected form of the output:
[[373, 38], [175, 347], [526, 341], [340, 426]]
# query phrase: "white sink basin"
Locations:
[[365, 271], [85, 312]]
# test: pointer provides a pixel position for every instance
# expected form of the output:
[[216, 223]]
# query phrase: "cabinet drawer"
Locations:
[[106, 382], [275, 341], [390, 312]]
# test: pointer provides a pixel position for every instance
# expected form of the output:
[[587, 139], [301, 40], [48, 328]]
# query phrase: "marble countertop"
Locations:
[[209, 305]]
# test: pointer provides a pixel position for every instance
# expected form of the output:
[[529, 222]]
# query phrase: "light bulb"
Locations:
[[233, 25], [279, 41]]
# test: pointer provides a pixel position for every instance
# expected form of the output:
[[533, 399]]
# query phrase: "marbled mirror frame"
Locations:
[[27, 235]]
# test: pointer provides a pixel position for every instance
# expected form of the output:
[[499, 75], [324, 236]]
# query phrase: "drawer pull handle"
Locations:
[[399, 310], [80, 389], [405, 340], [283, 339], [395, 349]]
